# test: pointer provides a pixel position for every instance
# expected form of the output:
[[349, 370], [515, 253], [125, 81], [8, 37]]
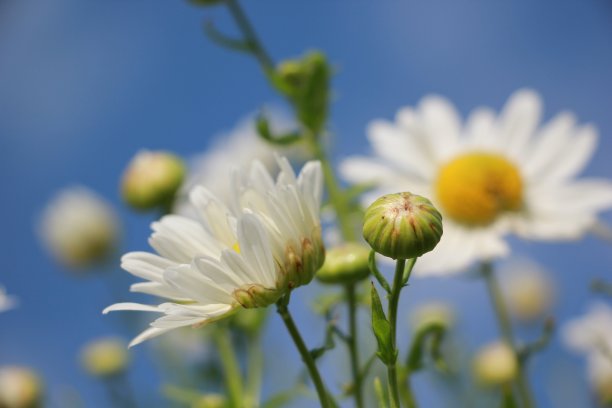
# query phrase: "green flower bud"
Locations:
[[105, 357], [402, 226], [152, 180], [345, 264], [495, 364]]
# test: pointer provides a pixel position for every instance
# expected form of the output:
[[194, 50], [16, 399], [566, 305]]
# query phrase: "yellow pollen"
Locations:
[[236, 247], [475, 188]]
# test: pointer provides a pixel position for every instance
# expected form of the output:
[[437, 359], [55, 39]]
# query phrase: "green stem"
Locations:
[[505, 326], [250, 36], [398, 281], [336, 195], [254, 370], [231, 368], [283, 311], [353, 349]]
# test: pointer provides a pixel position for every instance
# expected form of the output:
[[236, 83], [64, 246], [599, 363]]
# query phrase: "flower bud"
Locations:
[[345, 264], [79, 228], [152, 180], [433, 313], [19, 388], [104, 357], [495, 364], [528, 291], [402, 225], [211, 401]]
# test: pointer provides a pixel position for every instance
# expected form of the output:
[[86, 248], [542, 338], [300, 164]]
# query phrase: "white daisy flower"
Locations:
[[492, 175], [246, 253], [79, 227], [7, 301], [591, 335]]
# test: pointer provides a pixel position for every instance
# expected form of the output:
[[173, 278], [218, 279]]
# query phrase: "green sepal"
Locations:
[[374, 269], [382, 331]]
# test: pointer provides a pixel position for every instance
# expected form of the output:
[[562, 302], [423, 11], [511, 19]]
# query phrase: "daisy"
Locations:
[[490, 176], [245, 253], [591, 335], [79, 228]]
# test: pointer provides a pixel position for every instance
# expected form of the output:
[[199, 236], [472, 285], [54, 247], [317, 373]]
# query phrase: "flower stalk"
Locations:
[[283, 310], [231, 368], [505, 327]]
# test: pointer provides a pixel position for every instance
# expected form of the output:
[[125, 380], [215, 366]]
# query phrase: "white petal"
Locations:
[[442, 124], [255, 248], [147, 334], [146, 265], [519, 119], [194, 284], [131, 306]]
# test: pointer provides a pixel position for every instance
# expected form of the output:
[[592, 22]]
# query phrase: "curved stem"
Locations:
[[353, 349], [250, 36], [283, 311], [231, 368], [505, 326]]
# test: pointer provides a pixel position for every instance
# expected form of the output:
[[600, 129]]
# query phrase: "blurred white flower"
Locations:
[[238, 147], [528, 289], [492, 175], [7, 301], [495, 364], [79, 228], [19, 387], [247, 253], [104, 357], [591, 335]]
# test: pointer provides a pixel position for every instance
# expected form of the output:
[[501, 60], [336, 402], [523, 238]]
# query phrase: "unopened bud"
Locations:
[[528, 291], [79, 228], [19, 388], [402, 226], [495, 364], [345, 264], [105, 357], [152, 180]]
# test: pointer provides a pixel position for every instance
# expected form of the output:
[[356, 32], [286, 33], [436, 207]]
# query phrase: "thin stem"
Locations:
[[250, 36], [398, 281], [231, 368], [353, 349], [505, 326], [336, 196], [283, 311], [255, 367]]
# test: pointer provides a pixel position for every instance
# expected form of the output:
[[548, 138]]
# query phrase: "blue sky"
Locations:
[[85, 84]]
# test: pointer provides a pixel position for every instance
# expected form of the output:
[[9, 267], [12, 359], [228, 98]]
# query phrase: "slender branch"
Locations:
[[283, 311], [231, 368], [505, 326], [250, 36], [353, 349]]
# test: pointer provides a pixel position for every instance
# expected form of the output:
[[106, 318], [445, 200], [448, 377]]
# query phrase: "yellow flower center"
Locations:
[[236, 247], [475, 188]]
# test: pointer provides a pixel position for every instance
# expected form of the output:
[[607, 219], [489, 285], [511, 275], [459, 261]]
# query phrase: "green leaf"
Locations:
[[382, 331], [263, 129], [374, 269]]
